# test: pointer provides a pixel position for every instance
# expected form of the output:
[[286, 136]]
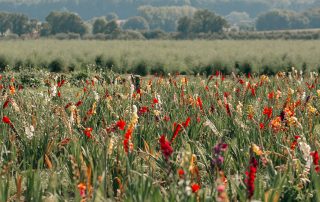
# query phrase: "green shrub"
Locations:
[[18, 65], [246, 68], [57, 65], [30, 80], [141, 68], [3, 63], [100, 61], [158, 68], [111, 62]]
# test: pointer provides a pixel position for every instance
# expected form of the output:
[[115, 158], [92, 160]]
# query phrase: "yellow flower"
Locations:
[[156, 112], [318, 92], [311, 109], [256, 149]]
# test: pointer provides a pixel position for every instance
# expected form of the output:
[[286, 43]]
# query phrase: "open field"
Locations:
[[188, 56], [107, 137]]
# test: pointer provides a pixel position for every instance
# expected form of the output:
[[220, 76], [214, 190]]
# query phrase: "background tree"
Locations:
[[112, 16], [64, 22], [165, 18], [99, 26], [111, 27], [273, 20], [205, 21], [314, 17], [4, 22], [136, 23], [184, 25]]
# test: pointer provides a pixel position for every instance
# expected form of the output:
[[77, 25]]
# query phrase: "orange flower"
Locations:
[[276, 123], [12, 89], [82, 189]]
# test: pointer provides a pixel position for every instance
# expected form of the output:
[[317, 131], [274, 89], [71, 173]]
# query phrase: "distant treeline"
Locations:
[[88, 9], [161, 23]]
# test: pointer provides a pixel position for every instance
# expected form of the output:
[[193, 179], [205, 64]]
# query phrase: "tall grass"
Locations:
[[173, 55]]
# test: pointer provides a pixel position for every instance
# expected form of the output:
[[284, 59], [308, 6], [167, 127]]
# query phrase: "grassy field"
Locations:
[[171, 55]]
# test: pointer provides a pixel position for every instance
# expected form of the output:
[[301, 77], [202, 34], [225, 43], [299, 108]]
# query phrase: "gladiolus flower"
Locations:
[[251, 176], [6, 120], [155, 101], [82, 189], [271, 95], [199, 103], [165, 147], [78, 103], [261, 126], [195, 188], [12, 89], [267, 111], [121, 124], [181, 173], [143, 110], [315, 157], [6, 103], [185, 124], [87, 132]]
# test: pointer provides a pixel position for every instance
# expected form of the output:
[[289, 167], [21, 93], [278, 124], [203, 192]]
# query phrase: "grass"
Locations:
[[171, 55], [184, 138]]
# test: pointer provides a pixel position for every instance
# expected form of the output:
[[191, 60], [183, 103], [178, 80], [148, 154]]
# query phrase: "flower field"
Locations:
[[111, 137]]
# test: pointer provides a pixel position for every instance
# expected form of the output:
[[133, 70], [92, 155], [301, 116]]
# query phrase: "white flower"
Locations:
[[29, 131], [53, 91], [96, 95], [131, 90], [306, 150]]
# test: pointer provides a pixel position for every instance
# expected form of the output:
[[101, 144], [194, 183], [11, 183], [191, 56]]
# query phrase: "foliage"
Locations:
[[136, 23], [99, 26], [57, 65], [64, 22]]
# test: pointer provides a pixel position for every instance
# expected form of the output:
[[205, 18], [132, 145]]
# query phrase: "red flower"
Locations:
[[251, 176], [166, 118], [6, 103], [60, 83], [179, 127], [185, 124], [165, 147], [68, 105], [121, 124], [127, 137], [87, 132], [181, 173], [6, 120], [195, 188], [79, 103], [267, 111], [228, 109], [271, 95], [261, 125], [199, 103], [253, 91], [176, 132], [143, 110], [155, 101], [315, 157], [295, 142]]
